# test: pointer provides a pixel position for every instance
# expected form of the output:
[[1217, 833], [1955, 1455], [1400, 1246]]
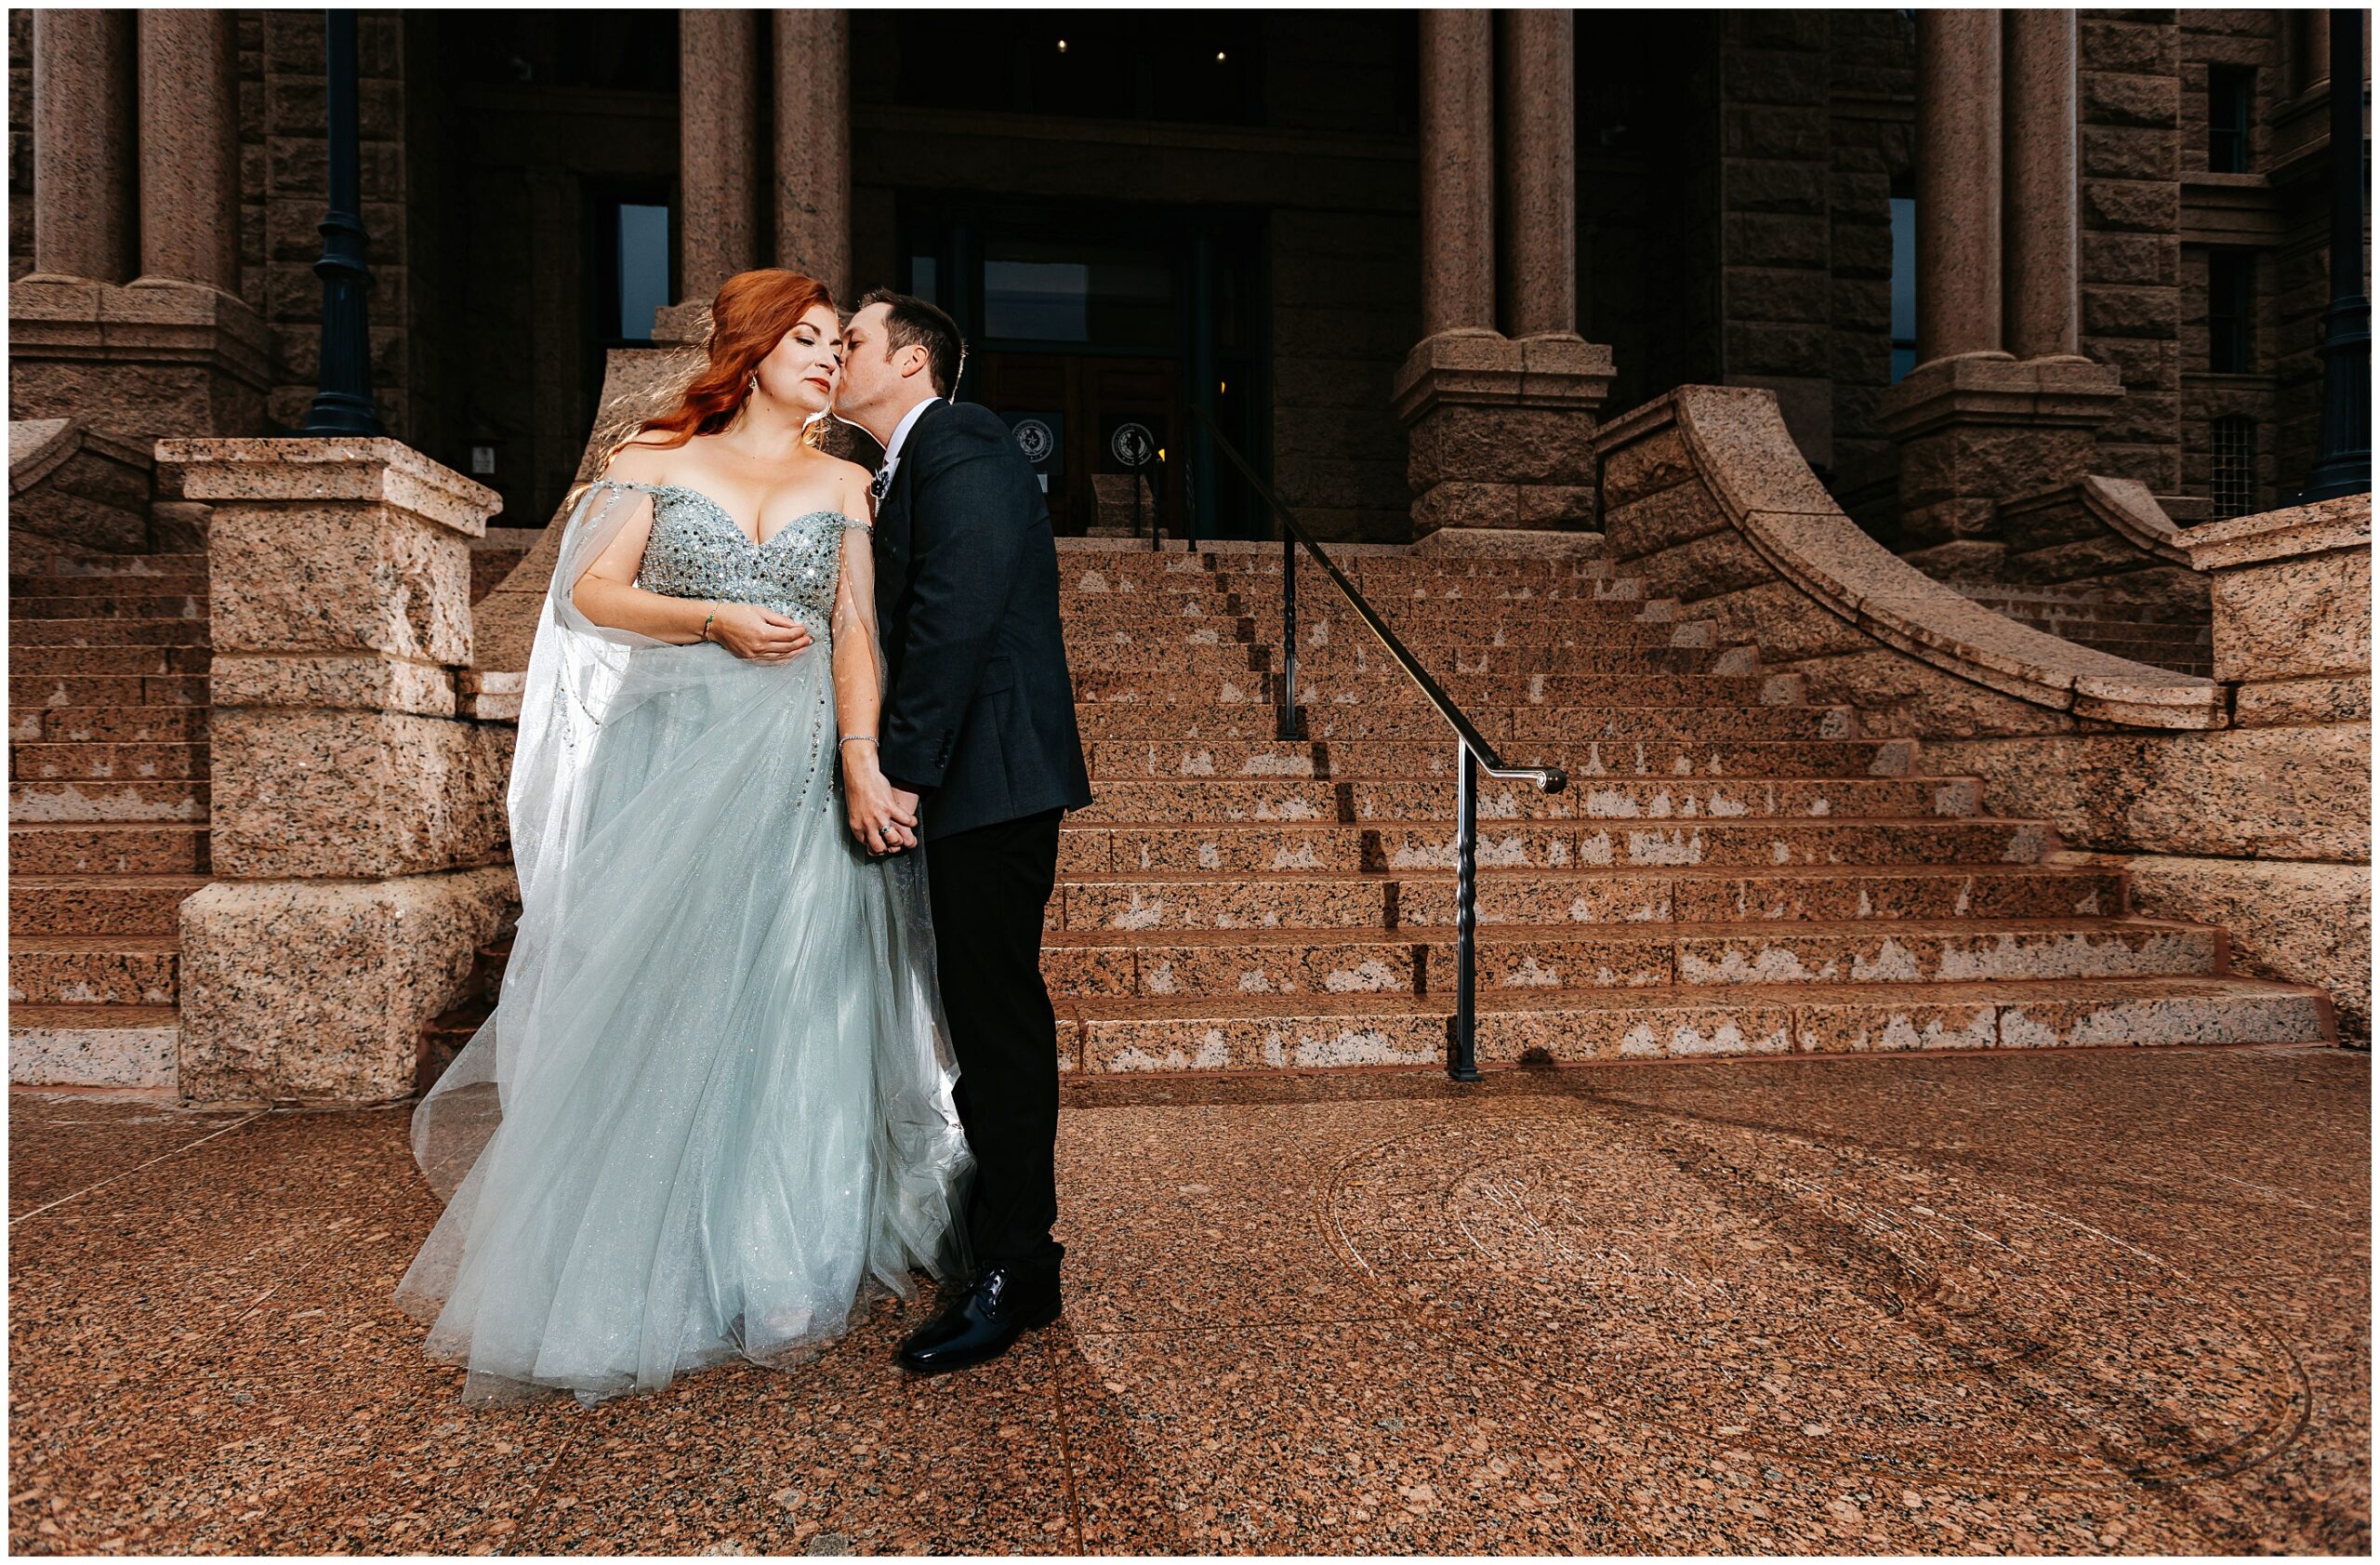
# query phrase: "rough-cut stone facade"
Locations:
[[1734, 175]]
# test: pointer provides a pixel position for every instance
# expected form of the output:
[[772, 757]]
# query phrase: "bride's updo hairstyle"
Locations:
[[749, 316]]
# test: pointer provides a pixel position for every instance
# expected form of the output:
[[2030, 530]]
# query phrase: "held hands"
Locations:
[[756, 633], [883, 818]]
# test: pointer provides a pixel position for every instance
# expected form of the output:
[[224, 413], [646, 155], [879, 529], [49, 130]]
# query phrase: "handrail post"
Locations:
[[1462, 1059], [1290, 724]]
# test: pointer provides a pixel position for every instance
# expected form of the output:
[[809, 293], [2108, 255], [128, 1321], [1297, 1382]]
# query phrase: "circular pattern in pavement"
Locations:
[[1764, 1290]]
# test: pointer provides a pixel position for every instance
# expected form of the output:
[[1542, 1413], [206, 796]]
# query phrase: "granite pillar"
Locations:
[[176, 351], [1979, 425], [358, 834], [1958, 182], [2042, 303], [1458, 173], [190, 148], [84, 223], [1541, 167], [1501, 429], [812, 180], [718, 153]]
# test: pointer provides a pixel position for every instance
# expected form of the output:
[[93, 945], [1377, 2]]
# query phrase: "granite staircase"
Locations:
[[1732, 870], [107, 806]]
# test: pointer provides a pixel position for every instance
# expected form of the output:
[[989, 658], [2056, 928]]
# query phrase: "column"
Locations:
[[1958, 182], [2044, 299], [1458, 173], [1540, 162], [813, 152], [358, 838], [719, 120], [189, 148], [83, 141]]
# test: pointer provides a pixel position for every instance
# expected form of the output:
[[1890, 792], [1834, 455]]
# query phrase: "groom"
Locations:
[[978, 728]]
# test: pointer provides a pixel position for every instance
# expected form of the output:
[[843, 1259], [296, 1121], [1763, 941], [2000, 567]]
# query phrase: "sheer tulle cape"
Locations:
[[711, 1113]]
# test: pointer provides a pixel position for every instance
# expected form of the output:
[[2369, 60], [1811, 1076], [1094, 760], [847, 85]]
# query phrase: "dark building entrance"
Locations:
[[1096, 329]]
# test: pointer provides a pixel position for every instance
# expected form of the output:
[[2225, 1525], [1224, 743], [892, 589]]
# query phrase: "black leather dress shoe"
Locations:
[[981, 1323]]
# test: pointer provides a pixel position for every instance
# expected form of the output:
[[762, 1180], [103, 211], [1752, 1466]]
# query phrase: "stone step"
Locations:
[[1103, 848], [125, 606], [1519, 1026], [107, 633], [37, 762], [1326, 643], [93, 1045], [72, 724], [1150, 656], [1180, 963], [73, 848], [1631, 799], [107, 690], [83, 563], [108, 799], [98, 904], [1416, 722], [1263, 603], [1827, 894], [2101, 627], [53, 585], [1193, 688], [1366, 569], [114, 661], [1263, 594], [1126, 758], [94, 969]]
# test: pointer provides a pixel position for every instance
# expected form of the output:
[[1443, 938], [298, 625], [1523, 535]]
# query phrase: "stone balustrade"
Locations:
[[2242, 801]]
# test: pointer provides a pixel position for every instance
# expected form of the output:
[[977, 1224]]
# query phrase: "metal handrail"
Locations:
[[1474, 754]]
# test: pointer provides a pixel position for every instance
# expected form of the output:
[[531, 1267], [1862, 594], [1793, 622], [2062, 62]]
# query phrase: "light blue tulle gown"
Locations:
[[712, 1115]]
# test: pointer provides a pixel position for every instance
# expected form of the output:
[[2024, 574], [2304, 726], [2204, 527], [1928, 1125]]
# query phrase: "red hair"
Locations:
[[750, 316]]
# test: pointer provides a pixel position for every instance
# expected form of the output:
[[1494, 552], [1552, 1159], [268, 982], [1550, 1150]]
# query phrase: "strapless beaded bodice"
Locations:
[[697, 550]]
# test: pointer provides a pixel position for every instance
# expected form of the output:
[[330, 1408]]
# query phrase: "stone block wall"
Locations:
[[1346, 309], [292, 169], [2243, 801], [1776, 254], [2129, 100], [20, 141], [1872, 77]]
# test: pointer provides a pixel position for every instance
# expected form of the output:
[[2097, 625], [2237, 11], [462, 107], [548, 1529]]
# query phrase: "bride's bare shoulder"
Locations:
[[637, 462]]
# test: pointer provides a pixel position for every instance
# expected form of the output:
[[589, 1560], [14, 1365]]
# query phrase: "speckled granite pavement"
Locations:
[[2090, 1301]]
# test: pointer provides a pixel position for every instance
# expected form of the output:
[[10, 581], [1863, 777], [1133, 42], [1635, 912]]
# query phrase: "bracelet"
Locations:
[[858, 738], [708, 618]]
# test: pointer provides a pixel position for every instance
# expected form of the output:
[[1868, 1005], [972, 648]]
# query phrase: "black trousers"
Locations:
[[988, 888]]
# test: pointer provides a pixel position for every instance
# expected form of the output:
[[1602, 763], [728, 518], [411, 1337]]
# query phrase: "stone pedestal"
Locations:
[[1502, 430], [2292, 593], [152, 360], [1978, 430], [358, 831]]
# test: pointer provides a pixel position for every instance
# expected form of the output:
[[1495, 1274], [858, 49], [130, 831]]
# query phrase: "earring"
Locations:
[[752, 386]]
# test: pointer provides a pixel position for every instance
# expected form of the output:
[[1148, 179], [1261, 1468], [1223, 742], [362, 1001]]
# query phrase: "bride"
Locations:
[[712, 1113]]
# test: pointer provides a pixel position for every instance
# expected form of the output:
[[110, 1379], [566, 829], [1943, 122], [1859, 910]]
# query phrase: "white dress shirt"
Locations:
[[893, 447]]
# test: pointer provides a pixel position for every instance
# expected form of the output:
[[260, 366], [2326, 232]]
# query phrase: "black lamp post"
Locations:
[[2343, 458], [343, 382]]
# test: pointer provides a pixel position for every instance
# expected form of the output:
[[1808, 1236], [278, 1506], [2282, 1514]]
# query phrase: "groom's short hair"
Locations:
[[911, 321]]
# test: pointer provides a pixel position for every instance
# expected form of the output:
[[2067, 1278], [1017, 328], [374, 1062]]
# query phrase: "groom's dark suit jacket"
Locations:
[[979, 709]]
